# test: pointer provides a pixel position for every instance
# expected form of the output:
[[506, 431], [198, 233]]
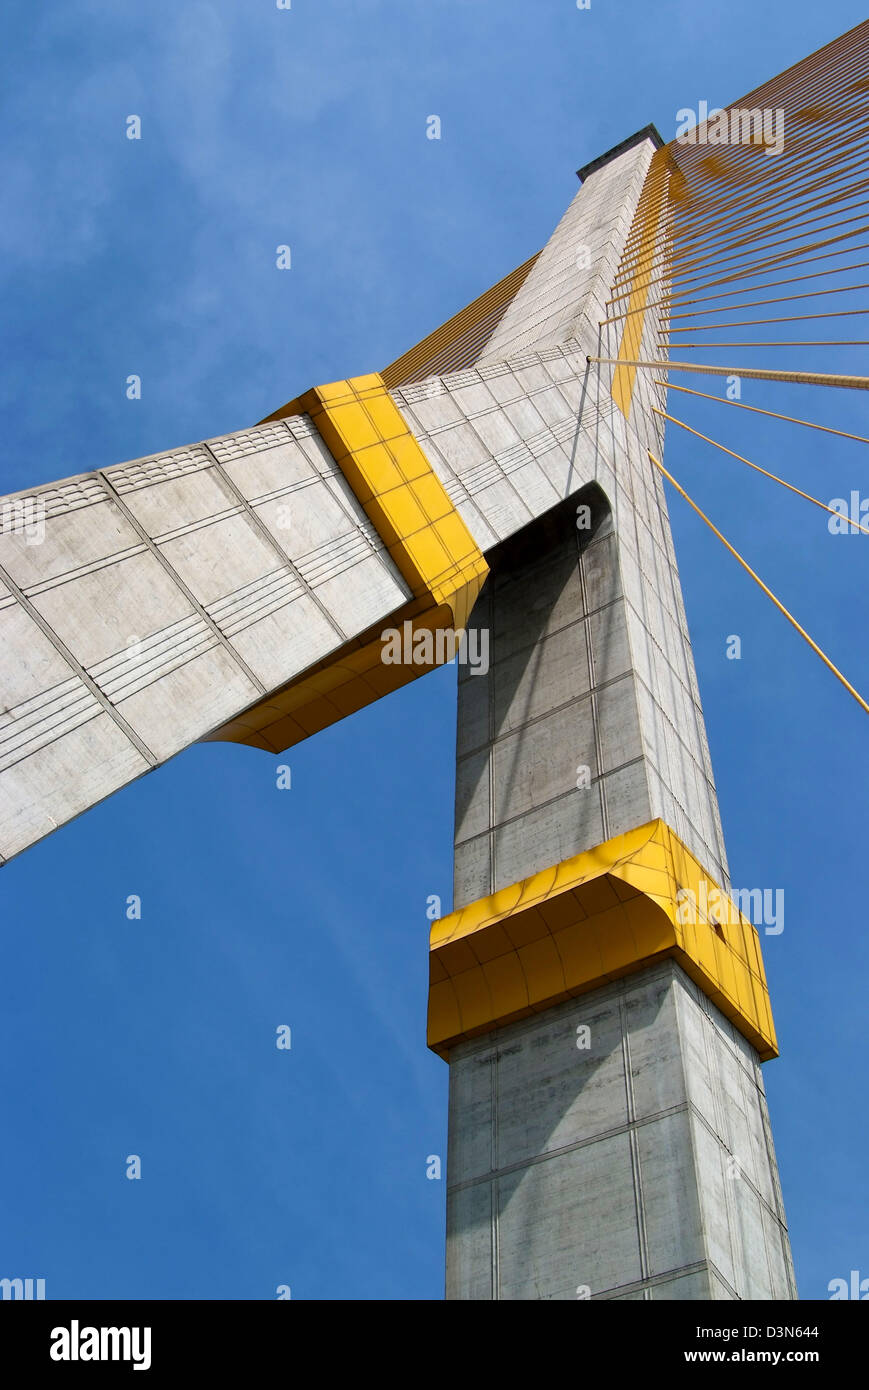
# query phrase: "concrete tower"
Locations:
[[604, 1018], [609, 1135]]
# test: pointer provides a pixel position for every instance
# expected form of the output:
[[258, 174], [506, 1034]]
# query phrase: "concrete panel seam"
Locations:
[[530, 720], [79, 670], [668, 1276], [737, 1297], [744, 1176], [173, 574], [275, 545], [636, 1172], [614, 1132], [551, 801]]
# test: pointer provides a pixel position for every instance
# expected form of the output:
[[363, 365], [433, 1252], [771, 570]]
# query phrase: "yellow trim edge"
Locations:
[[423, 533], [636, 899]]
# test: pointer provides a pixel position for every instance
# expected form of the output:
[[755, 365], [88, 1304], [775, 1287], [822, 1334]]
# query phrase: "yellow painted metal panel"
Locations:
[[648, 216], [426, 538], [569, 929]]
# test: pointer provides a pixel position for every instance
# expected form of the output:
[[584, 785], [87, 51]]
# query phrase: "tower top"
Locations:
[[648, 132]]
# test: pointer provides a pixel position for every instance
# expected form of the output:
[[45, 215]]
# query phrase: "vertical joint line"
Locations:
[[495, 1196], [490, 762], [158, 555], [79, 670], [274, 543], [633, 1141], [592, 677]]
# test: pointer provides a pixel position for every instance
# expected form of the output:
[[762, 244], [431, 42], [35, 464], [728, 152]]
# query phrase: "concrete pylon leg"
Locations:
[[641, 1167], [613, 1144]]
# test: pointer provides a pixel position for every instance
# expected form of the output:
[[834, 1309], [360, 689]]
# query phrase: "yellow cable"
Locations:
[[757, 468], [857, 383], [791, 419], [757, 579]]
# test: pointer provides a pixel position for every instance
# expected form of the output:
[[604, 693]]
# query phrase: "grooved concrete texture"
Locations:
[[164, 597], [549, 747], [638, 1166]]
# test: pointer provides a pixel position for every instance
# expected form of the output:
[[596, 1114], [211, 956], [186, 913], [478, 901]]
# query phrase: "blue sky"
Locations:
[[307, 907]]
